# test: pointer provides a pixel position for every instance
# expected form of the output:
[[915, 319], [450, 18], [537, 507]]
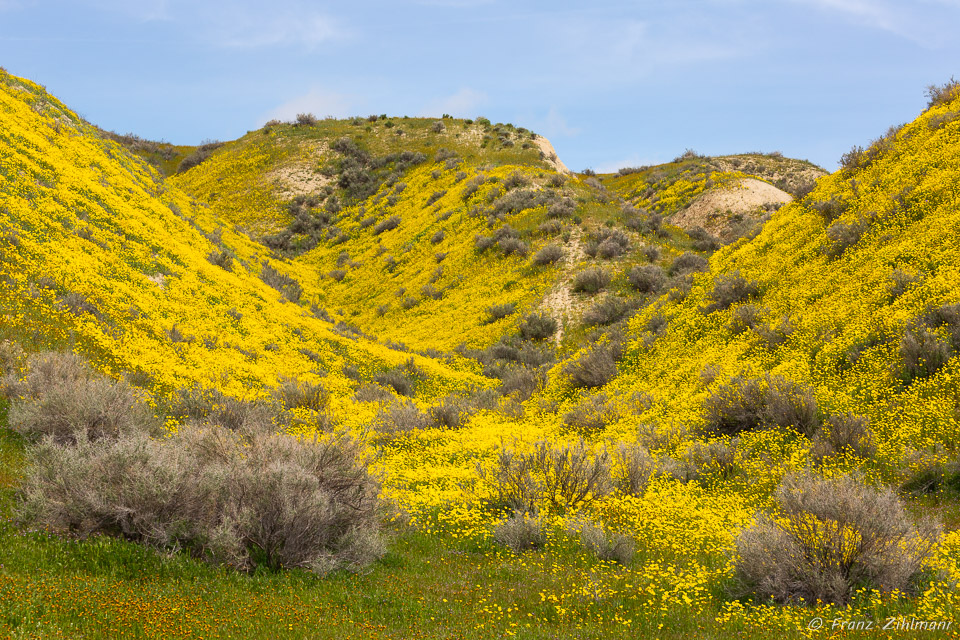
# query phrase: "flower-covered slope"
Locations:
[[99, 253], [856, 287]]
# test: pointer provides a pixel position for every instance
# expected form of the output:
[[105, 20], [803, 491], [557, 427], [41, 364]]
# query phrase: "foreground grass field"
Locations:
[[429, 585]]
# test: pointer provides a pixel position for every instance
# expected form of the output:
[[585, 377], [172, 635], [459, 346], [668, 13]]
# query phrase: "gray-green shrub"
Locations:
[[267, 500], [591, 280], [520, 532], [609, 546], [746, 404], [730, 289], [537, 326], [549, 254], [61, 397], [831, 537], [566, 477], [594, 368], [648, 278]]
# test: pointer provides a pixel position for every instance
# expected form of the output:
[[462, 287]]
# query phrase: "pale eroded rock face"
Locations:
[[724, 211], [550, 155]]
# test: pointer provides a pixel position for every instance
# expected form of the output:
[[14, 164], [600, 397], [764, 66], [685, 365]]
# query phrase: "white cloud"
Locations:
[[249, 30], [554, 125], [622, 50], [317, 101], [462, 104], [930, 25]]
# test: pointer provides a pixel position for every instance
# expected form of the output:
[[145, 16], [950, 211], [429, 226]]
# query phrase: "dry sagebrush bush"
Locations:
[[520, 532], [591, 280], [12, 360], [609, 546], [268, 500], [565, 477], [61, 397], [648, 278], [717, 459], [592, 416], [746, 404], [538, 326], [595, 368], [830, 537], [549, 254], [608, 310], [211, 406], [729, 290], [844, 433], [292, 393], [633, 466]]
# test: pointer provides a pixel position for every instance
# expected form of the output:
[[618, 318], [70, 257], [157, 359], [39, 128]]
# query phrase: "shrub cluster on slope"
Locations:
[[246, 497]]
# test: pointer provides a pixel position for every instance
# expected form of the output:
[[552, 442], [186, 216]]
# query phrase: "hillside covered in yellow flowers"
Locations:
[[586, 397]]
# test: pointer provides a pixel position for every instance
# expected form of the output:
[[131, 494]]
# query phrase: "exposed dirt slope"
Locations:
[[724, 212]]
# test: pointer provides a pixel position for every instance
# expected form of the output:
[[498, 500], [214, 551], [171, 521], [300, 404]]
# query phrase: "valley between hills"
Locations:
[[395, 377]]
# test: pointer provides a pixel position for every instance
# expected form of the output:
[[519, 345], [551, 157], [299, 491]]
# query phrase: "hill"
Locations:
[[729, 196], [103, 256], [599, 406]]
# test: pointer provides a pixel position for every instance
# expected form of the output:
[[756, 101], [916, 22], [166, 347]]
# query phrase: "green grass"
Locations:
[[429, 585]]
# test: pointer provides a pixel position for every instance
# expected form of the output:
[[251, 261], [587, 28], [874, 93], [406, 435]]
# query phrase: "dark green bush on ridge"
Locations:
[[201, 154]]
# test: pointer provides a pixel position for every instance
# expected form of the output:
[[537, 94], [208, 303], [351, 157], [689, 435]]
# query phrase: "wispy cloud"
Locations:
[[254, 29], [234, 24], [555, 125], [609, 48], [317, 101], [929, 25], [462, 104], [868, 12]]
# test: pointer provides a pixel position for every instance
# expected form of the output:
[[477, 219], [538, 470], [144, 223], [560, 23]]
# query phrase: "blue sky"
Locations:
[[610, 83]]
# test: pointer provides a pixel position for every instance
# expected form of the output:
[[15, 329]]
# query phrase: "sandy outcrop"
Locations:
[[550, 155], [725, 211]]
